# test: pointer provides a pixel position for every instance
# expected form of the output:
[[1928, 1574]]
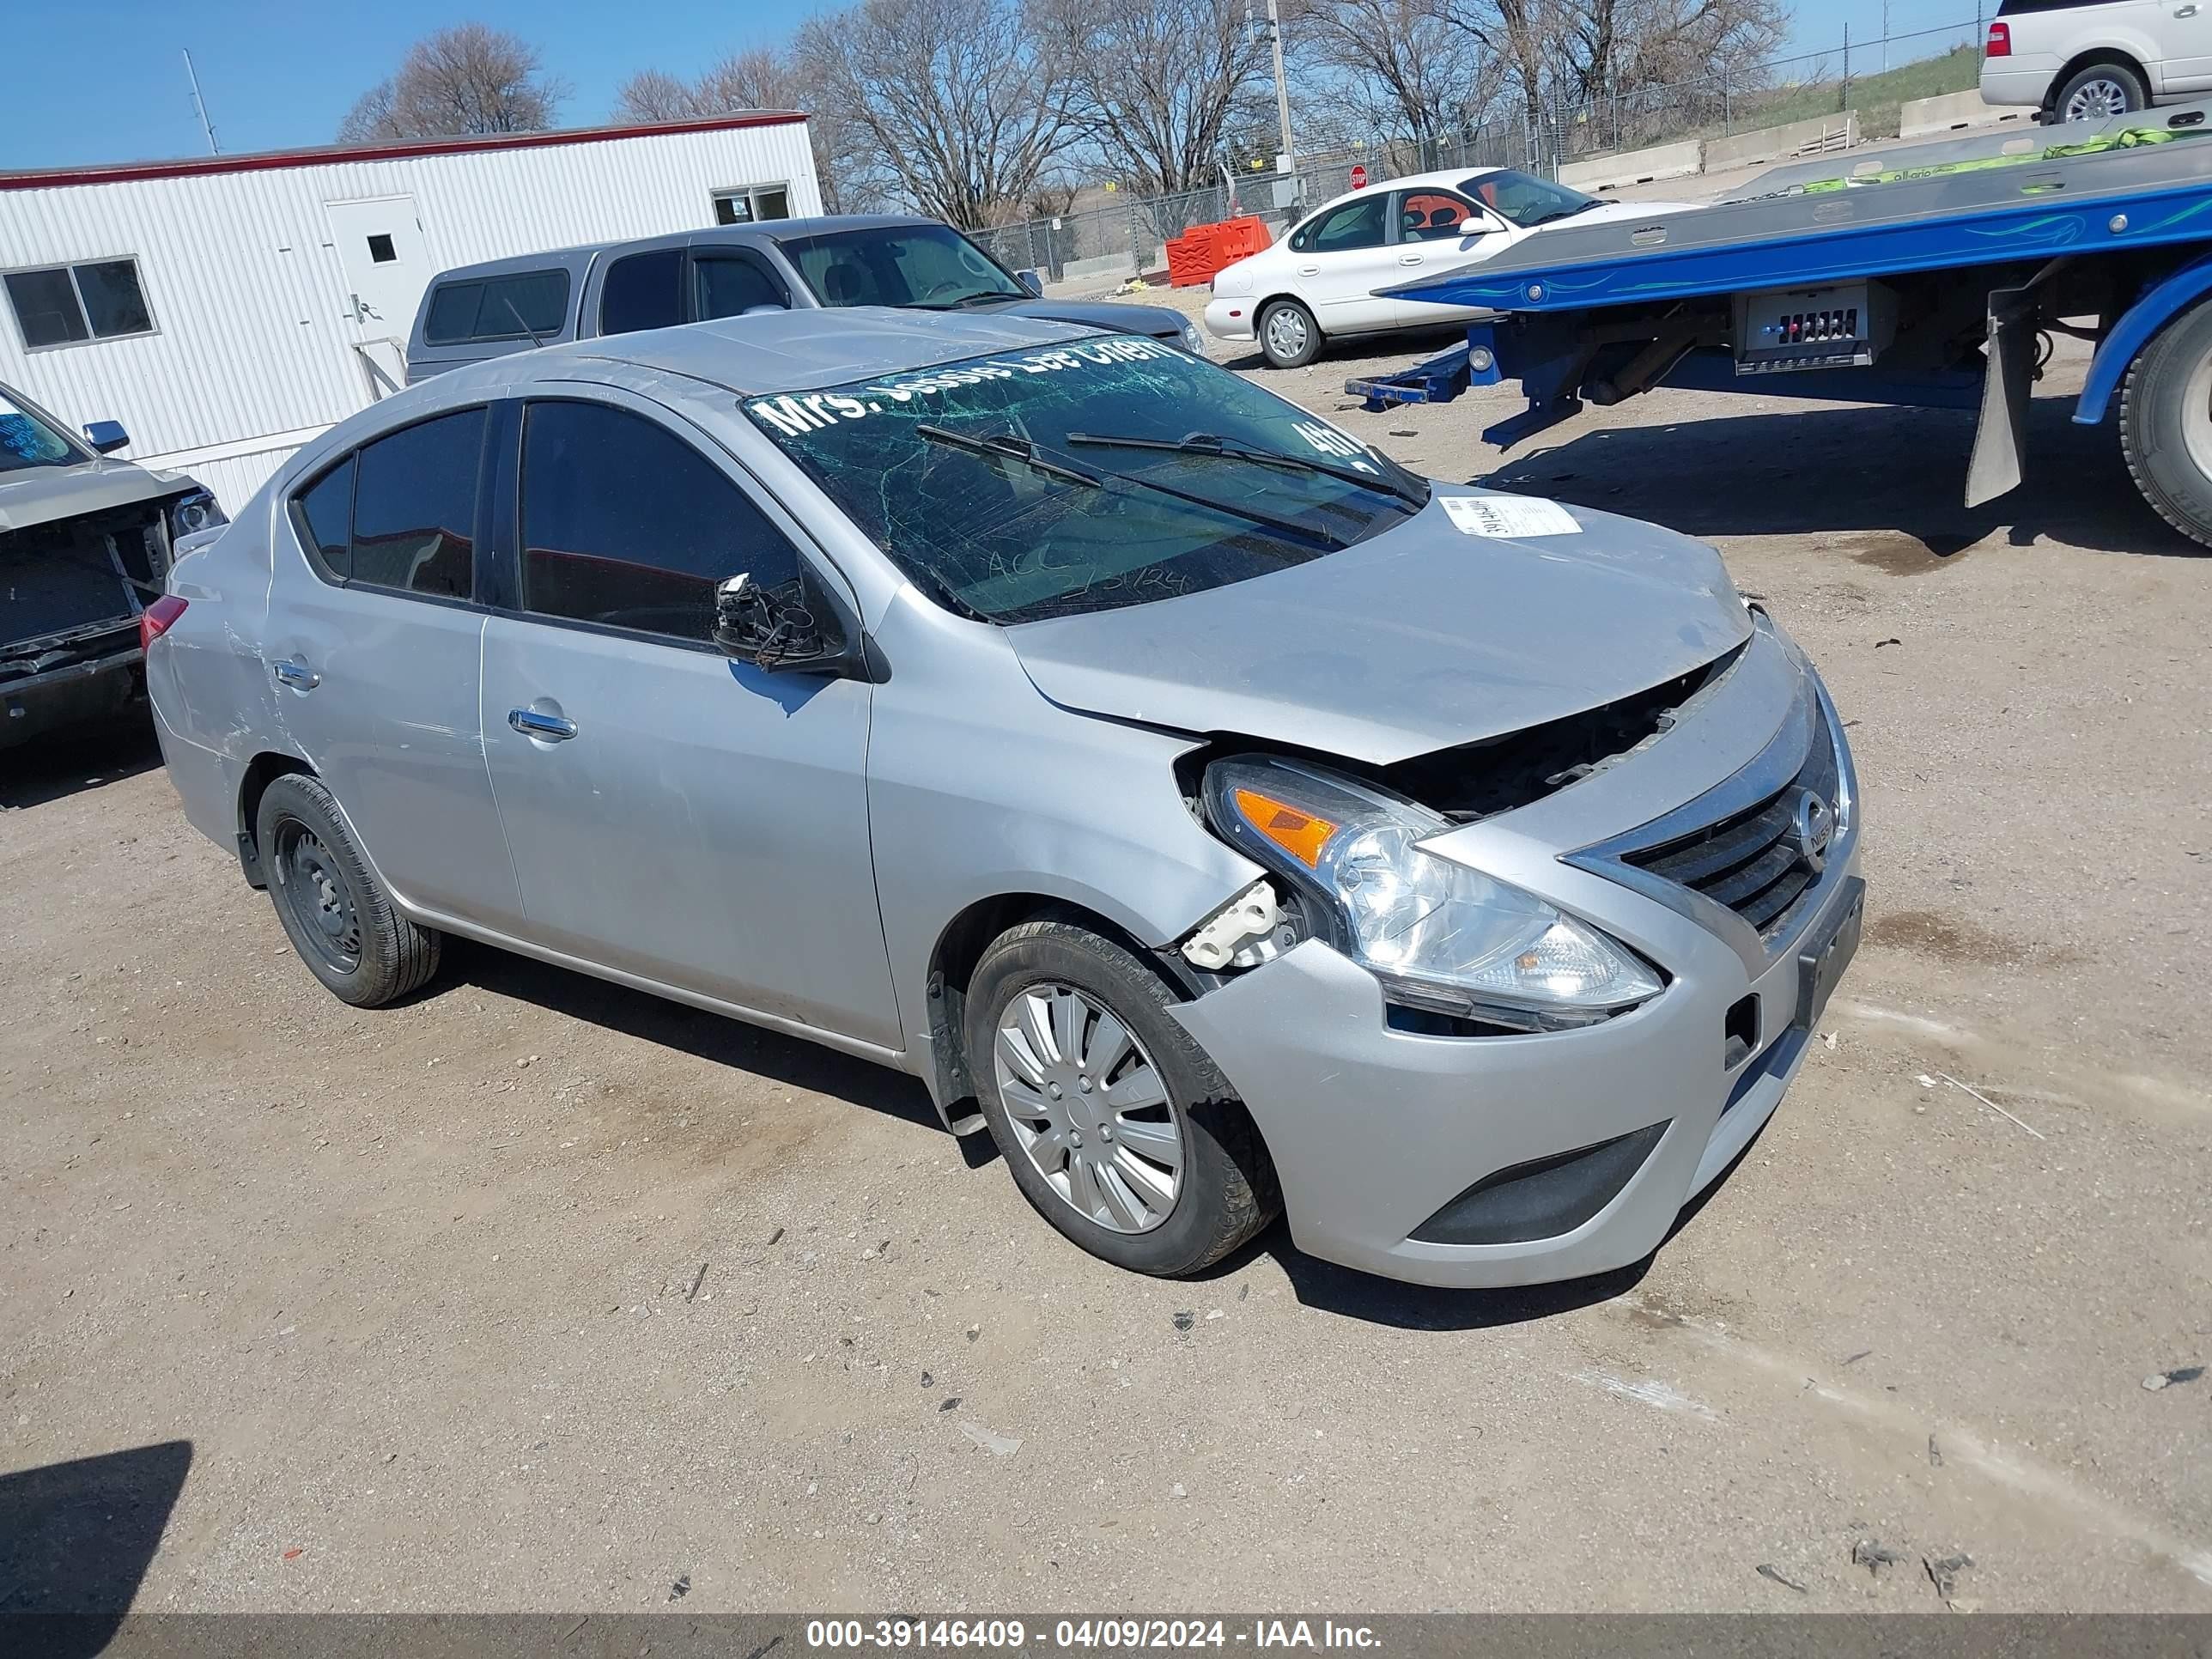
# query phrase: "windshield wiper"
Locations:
[[1010, 446], [1403, 486]]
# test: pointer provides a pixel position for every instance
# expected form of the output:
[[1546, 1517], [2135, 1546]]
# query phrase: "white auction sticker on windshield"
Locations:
[[1510, 517]]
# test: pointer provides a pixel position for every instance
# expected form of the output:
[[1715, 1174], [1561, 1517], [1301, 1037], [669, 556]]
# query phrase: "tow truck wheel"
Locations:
[[1118, 1128], [1289, 337], [2166, 423]]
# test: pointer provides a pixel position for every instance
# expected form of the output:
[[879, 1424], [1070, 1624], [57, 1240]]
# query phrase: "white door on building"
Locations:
[[379, 243]]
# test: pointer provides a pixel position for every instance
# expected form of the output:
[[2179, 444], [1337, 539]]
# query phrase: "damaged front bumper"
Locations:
[[1512, 1159]]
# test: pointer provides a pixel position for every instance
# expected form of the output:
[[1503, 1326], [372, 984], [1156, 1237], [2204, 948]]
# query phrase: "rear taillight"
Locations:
[[2000, 40], [157, 619]]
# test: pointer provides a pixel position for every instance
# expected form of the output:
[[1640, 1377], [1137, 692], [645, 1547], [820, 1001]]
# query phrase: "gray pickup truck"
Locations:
[[476, 311], [86, 541]]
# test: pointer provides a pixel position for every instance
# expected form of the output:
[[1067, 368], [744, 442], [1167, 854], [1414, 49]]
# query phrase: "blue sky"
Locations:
[[105, 82]]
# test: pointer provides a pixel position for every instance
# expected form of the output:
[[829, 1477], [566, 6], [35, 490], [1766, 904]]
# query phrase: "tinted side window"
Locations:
[[452, 314], [1356, 224], [414, 507], [643, 291], [531, 302], [728, 285], [625, 524], [325, 512]]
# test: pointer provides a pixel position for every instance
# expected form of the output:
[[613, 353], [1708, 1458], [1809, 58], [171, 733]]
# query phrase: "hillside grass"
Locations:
[[1877, 98]]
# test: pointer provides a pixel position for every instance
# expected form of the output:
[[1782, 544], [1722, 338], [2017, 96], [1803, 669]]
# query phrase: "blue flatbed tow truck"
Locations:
[[1930, 275]]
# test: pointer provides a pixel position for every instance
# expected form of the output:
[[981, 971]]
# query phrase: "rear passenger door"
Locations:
[[373, 648], [1341, 258], [673, 814]]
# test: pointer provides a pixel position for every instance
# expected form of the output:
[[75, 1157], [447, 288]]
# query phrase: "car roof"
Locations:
[[766, 230], [769, 353]]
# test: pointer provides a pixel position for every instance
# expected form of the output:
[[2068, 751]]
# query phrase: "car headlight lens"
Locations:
[[189, 514], [1438, 934], [1193, 341]]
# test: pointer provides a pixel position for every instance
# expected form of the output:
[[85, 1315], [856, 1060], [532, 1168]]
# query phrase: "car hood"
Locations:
[[1421, 638], [42, 494], [1161, 322]]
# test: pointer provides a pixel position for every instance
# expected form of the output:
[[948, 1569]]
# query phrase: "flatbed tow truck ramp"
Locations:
[[1932, 276]]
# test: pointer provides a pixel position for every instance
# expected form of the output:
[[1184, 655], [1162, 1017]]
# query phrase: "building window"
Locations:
[[62, 305], [748, 204], [380, 251]]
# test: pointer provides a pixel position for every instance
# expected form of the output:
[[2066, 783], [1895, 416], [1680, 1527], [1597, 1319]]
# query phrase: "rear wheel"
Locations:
[[1118, 1128], [2098, 91], [2166, 423], [334, 910], [1289, 337]]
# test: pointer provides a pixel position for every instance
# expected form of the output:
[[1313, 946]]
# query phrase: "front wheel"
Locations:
[[1289, 337], [2166, 423], [1118, 1128], [2099, 92]]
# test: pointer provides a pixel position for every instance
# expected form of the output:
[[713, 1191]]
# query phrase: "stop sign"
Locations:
[[1359, 175]]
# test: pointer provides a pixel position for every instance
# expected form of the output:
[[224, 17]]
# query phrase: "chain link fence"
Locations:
[[1128, 234]]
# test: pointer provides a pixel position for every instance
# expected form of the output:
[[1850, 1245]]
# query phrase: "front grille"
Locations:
[[1751, 861]]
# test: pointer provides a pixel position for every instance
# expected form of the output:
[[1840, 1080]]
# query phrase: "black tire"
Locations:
[[2153, 413], [2125, 83], [1228, 1191], [335, 913], [1304, 320]]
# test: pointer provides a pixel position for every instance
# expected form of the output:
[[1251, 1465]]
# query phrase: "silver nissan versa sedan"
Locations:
[[1222, 816]]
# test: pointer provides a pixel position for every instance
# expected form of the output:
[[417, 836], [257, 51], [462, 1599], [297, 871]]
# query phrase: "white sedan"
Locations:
[[1319, 282]]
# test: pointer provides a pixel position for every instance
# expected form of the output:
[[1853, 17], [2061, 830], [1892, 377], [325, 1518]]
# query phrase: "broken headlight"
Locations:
[[1438, 934], [190, 515]]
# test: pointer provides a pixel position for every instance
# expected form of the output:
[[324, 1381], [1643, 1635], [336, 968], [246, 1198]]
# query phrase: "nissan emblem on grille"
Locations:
[[1814, 827]]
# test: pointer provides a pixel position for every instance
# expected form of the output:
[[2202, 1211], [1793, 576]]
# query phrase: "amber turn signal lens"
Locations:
[[1299, 834]]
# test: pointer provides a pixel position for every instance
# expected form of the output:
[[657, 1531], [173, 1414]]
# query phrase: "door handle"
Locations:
[[289, 671], [1309, 271], [546, 728], [2186, 11], [1409, 259]]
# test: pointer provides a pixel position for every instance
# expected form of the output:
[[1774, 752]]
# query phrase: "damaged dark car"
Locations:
[[86, 541]]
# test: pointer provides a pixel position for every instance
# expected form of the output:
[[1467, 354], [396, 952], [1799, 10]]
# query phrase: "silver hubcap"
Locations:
[[2196, 416], [2095, 99], [1286, 332], [1089, 1107]]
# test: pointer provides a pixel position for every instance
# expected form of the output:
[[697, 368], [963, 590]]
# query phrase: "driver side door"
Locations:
[[1440, 230], [674, 815]]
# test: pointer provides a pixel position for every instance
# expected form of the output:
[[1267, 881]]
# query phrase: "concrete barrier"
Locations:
[[1954, 111], [1745, 149], [1636, 167]]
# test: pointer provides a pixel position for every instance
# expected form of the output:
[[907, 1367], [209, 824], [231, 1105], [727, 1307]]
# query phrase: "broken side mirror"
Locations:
[[106, 437], [790, 628]]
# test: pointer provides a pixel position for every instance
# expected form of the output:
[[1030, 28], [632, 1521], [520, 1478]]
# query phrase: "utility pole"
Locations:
[[1286, 157], [1885, 36], [199, 105]]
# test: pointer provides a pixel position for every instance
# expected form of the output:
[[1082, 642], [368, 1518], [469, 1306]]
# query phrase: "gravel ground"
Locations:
[[537, 1293]]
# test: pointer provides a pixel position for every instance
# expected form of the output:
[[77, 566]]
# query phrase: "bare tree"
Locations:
[[1571, 50], [654, 95], [1157, 82], [467, 79], [961, 109], [1400, 67], [755, 79]]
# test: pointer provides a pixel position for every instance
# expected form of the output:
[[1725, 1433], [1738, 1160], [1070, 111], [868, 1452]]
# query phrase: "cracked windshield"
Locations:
[[1057, 480]]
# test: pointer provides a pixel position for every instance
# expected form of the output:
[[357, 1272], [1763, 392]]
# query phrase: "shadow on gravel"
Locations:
[[1801, 468], [786, 1060], [106, 750], [75, 1540]]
